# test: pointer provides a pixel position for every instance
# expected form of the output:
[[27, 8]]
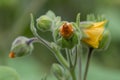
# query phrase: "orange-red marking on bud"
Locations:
[[66, 30], [12, 55]]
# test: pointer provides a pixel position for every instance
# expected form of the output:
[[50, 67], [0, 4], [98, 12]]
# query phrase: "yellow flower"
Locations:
[[66, 30], [94, 34]]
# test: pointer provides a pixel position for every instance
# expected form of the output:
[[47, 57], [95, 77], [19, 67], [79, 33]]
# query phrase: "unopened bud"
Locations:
[[58, 71], [66, 30], [94, 34], [44, 23], [21, 46]]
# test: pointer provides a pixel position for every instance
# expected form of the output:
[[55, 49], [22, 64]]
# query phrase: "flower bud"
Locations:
[[58, 71], [106, 38], [20, 47], [94, 34], [66, 36], [44, 23], [66, 30]]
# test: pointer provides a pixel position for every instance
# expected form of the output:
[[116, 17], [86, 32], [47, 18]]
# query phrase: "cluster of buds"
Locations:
[[67, 36]]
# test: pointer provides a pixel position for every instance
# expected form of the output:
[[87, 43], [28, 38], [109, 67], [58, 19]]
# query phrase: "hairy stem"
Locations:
[[61, 59]]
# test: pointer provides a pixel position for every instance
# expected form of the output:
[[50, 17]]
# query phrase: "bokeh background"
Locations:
[[15, 21]]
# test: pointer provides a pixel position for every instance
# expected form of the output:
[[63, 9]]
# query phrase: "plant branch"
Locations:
[[56, 52]]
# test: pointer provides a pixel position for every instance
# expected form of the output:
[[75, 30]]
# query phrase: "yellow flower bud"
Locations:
[[94, 34]]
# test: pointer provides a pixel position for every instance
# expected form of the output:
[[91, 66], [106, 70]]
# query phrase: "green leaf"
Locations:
[[50, 14], [32, 27], [57, 20], [78, 19], [7, 73], [105, 42]]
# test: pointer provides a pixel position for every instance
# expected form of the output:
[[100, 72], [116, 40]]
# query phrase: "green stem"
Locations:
[[61, 59], [67, 55], [70, 59], [75, 62], [72, 67], [80, 62], [80, 69], [72, 71], [88, 62]]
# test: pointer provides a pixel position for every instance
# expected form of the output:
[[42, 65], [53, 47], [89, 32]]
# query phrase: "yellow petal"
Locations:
[[99, 24], [94, 34]]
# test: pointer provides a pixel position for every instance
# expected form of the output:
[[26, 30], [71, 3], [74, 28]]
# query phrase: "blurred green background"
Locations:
[[15, 21]]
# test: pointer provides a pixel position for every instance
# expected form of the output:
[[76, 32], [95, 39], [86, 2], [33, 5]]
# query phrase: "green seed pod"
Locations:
[[58, 71], [104, 43], [44, 23], [21, 46]]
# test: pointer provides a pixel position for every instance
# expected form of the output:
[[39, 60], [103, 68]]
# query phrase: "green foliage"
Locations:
[[7, 73], [51, 15]]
